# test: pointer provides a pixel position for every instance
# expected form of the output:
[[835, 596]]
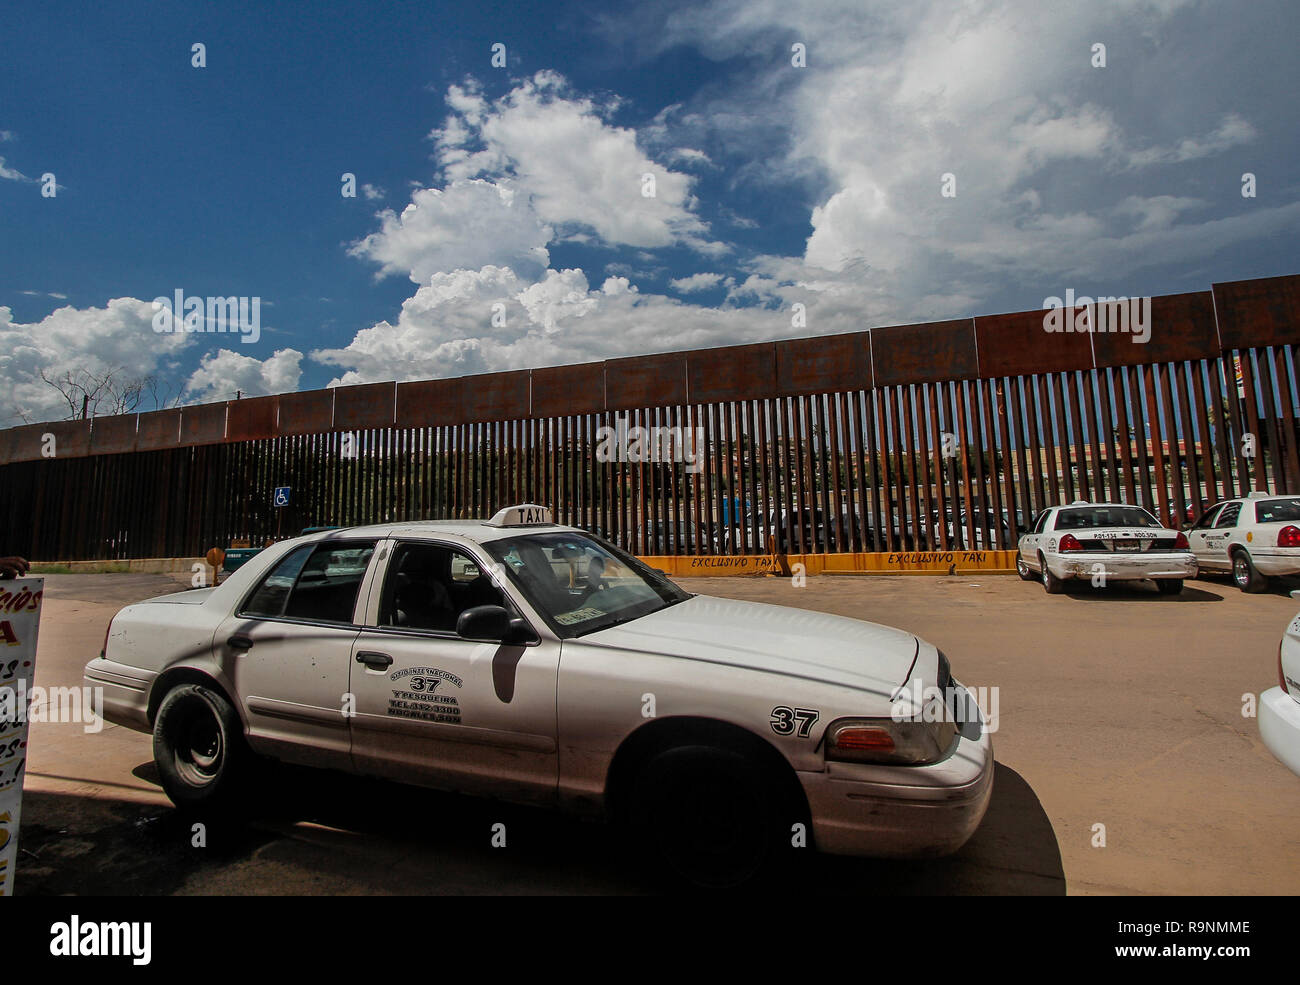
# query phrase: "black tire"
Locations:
[[709, 814], [1051, 584], [1169, 586], [1022, 569], [1244, 573], [198, 744]]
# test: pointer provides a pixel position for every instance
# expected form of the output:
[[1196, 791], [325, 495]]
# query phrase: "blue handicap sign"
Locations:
[[281, 495]]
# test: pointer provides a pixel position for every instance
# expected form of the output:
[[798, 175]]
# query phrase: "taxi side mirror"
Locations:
[[493, 624]]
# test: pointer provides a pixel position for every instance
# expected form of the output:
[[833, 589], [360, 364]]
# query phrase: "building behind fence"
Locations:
[[916, 437]]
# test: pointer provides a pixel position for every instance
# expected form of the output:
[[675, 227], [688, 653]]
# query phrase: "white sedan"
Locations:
[[1279, 707], [1255, 538], [519, 659], [1103, 542]]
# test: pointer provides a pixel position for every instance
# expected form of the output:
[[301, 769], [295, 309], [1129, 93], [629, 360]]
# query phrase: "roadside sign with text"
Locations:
[[20, 617]]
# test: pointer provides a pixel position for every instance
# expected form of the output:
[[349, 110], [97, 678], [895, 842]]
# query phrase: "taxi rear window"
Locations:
[[1278, 510], [1085, 517]]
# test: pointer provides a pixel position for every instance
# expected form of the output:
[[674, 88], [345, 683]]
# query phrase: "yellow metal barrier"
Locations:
[[877, 563]]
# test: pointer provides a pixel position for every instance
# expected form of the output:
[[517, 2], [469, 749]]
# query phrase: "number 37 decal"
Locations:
[[784, 720]]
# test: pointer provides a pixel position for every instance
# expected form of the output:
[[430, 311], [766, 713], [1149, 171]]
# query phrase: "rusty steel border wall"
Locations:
[[911, 437]]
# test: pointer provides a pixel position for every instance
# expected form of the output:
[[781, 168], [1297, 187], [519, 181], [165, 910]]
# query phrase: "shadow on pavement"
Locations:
[[1137, 592], [312, 831]]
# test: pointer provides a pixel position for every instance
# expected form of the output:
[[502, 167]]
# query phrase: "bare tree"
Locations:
[[91, 395]]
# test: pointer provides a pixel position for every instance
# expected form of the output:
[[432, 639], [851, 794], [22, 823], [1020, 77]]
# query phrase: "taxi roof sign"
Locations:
[[524, 515]]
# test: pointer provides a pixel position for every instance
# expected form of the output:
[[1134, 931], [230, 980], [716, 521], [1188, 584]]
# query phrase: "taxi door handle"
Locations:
[[240, 642], [375, 661]]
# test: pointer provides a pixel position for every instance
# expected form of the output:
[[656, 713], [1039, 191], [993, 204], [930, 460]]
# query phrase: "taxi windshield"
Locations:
[[1084, 517], [581, 585]]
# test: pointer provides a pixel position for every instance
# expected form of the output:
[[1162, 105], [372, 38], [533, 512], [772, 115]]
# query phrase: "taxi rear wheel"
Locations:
[[709, 814], [198, 744], [1051, 584], [1245, 575], [1169, 586]]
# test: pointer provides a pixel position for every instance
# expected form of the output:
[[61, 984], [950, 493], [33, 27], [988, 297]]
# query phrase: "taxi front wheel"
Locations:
[[708, 813], [198, 744]]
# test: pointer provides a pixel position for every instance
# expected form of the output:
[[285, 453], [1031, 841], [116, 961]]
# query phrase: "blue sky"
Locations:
[[517, 230]]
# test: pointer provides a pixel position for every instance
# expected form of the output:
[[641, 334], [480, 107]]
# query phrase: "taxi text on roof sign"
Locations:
[[527, 514]]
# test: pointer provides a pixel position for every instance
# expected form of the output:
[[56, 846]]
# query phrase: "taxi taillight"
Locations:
[[1070, 543], [1180, 542], [1288, 536]]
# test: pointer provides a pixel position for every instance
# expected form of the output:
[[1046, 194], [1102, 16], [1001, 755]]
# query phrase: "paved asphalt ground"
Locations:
[[1117, 707]]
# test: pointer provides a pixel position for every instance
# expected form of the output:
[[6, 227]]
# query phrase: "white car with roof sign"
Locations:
[[1279, 707], [519, 659], [1103, 542], [1255, 538]]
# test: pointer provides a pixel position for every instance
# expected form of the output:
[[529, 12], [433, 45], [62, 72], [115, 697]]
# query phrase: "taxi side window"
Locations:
[[319, 582], [270, 596], [428, 586], [1207, 518], [1042, 522], [1228, 516]]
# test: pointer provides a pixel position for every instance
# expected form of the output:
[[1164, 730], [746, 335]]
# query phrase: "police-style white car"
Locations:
[[1279, 707], [1255, 538], [1103, 542], [519, 659]]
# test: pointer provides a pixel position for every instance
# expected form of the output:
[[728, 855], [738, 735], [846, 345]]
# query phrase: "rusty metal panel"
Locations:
[[736, 372], [824, 365], [114, 435], [429, 403], [561, 390], [646, 381], [71, 439], [159, 429], [931, 352], [25, 442], [1018, 344], [308, 412], [369, 405], [204, 424], [496, 396], [1258, 312], [1181, 327], [251, 418]]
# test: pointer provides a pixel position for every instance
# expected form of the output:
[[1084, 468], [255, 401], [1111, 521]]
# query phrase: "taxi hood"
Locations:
[[774, 639]]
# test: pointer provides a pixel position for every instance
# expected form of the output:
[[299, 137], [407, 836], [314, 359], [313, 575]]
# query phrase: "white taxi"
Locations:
[[1279, 707], [519, 659], [1255, 538], [1103, 542]]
